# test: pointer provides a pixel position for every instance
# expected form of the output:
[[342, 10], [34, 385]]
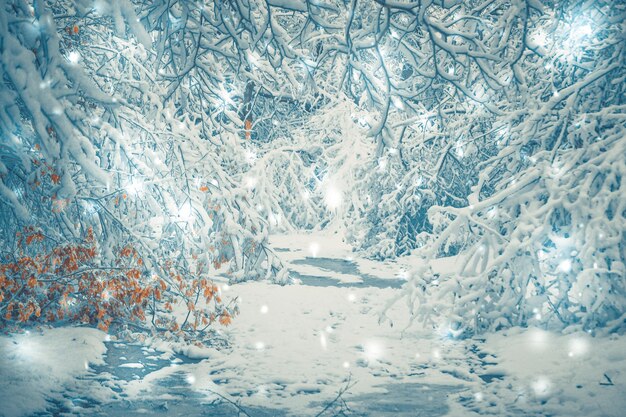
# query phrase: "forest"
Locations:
[[287, 207]]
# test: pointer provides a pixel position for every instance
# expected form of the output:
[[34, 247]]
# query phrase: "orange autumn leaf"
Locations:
[[225, 319], [133, 274], [55, 178], [248, 128], [32, 281], [75, 29], [204, 188]]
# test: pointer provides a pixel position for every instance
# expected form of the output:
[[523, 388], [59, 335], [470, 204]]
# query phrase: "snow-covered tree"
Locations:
[[93, 149], [179, 134], [541, 235]]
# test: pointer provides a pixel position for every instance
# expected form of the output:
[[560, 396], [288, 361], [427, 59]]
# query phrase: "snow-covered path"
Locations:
[[293, 348]]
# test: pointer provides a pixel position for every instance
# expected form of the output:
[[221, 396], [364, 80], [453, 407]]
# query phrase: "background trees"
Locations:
[[491, 130]]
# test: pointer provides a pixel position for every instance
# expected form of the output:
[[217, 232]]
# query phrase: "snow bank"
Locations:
[[37, 366], [536, 372]]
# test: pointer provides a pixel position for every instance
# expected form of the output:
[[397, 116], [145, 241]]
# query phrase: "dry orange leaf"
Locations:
[[225, 319]]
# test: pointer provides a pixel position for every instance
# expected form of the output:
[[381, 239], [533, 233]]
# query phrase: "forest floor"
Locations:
[[316, 348]]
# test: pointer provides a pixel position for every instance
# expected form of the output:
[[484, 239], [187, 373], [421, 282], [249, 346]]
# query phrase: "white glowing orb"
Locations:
[[259, 345], [185, 212], [346, 364], [274, 219], [373, 350], [537, 339], [314, 249], [332, 198], [225, 96], [250, 157], [580, 31], [190, 379], [264, 309], [351, 297], [26, 347], [578, 347], [323, 341], [565, 265], [478, 396], [134, 188], [73, 57], [250, 182], [541, 386]]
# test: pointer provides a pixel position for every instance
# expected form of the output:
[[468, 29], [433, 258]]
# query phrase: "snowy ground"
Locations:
[[294, 347]]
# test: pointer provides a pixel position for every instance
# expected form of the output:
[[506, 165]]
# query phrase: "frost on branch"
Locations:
[[92, 148], [540, 234], [490, 131]]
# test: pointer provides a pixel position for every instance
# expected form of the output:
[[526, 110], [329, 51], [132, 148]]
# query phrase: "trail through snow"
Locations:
[[294, 347]]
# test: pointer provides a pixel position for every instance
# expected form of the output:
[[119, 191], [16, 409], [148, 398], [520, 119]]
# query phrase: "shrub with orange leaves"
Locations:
[[43, 283]]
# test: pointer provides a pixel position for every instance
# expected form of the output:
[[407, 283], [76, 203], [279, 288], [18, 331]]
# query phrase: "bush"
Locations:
[[42, 282]]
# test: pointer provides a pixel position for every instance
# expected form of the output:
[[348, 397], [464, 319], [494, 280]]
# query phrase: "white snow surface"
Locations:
[[37, 366], [293, 348], [545, 373], [300, 245]]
